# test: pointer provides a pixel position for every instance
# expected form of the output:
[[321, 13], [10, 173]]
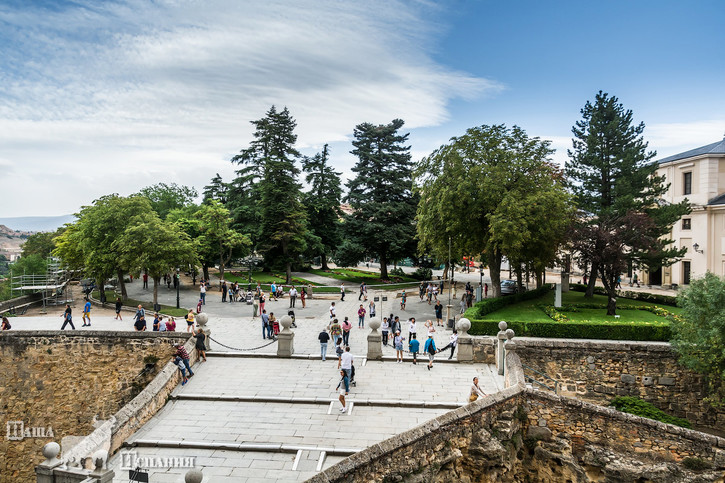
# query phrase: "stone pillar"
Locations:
[[500, 351], [44, 471], [202, 319], [285, 343], [465, 342], [309, 290], [510, 344], [375, 341], [557, 296], [449, 312]]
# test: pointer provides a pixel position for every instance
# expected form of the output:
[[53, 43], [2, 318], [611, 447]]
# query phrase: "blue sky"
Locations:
[[100, 97]]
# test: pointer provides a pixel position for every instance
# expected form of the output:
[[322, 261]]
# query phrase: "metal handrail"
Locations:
[[545, 376]]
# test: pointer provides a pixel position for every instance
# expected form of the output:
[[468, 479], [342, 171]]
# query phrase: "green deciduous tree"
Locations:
[[217, 236], [41, 244], [699, 334], [380, 194], [267, 192], [487, 191], [31, 265], [150, 244], [623, 219], [166, 197], [323, 202]]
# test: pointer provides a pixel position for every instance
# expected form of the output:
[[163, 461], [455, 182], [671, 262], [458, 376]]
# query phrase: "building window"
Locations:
[[686, 223], [685, 273], [687, 183]]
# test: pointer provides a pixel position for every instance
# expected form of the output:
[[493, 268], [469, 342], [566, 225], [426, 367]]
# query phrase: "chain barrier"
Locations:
[[243, 350]]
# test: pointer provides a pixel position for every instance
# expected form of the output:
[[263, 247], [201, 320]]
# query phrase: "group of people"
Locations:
[[232, 291], [430, 291]]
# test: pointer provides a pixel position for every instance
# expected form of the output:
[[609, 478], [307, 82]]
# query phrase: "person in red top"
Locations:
[[145, 280], [361, 317], [181, 352], [346, 326], [171, 325]]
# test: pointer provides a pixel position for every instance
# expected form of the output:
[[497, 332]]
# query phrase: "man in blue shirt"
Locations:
[[273, 290], [87, 314], [265, 325], [430, 348], [414, 347]]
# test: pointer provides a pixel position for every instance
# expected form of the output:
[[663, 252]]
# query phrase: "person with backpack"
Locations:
[[430, 348], [67, 318], [119, 306], [335, 331], [346, 326], [6, 324], [414, 347]]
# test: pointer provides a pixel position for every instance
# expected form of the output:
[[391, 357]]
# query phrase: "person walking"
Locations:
[[190, 321], [303, 296], [345, 363], [292, 297], [476, 391], [346, 327], [463, 303], [181, 352], [146, 280], [67, 318], [439, 313], [86, 314], [451, 344], [385, 329], [414, 347], [265, 325], [342, 291], [332, 310], [156, 323], [485, 290], [398, 344], [362, 291], [371, 308], [335, 331], [411, 328], [119, 306], [421, 291], [201, 343], [202, 292], [430, 348], [361, 317], [273, 291], [225, 289], [324, 338], [344, 382], [262, 300], [403, 298], [395, 324]]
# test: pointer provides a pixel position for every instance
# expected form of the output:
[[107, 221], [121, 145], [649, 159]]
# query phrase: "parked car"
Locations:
[[509, 287]]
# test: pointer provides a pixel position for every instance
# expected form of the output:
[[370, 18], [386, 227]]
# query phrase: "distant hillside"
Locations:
[[36, 223]]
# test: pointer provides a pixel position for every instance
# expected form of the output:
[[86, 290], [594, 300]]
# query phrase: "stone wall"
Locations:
[[597, 371], [69, 380], [522, 434]]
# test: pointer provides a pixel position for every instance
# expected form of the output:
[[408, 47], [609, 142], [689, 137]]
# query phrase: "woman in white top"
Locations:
[[476, 391], [411, 328], [429, 326]]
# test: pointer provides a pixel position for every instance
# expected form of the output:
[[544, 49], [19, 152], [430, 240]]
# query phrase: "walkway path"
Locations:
[[319, 279]]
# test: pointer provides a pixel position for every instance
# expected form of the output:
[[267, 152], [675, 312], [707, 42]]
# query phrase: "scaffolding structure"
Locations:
[[52, 286]]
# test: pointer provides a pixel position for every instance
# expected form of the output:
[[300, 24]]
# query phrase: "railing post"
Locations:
[[285, 346], [509, 345], [44, 471], [465, 342], [375, 341], [193, 476], [500, 352]]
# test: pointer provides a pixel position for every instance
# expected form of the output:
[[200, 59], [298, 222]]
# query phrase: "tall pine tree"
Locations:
[[323, 202], [269, 175], [382, 222], [623, 220]]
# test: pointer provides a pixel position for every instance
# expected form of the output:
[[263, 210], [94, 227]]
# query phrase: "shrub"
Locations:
[[486, 306], [638, 407], [696, 464], [422, 274], [397, 272], [627, 294], [640, 331]]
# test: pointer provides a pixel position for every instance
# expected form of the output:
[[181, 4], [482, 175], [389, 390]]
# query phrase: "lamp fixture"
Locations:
[[696, 247]]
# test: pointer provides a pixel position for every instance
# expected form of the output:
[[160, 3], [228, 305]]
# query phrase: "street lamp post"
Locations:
[[178, 284]]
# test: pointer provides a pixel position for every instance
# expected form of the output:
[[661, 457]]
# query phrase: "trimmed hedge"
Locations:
[[639, 331], [638, 407], [486, 306], [627, 294]]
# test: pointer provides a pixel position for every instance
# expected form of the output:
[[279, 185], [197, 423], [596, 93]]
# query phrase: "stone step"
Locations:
[[242, 447], [319, 400]]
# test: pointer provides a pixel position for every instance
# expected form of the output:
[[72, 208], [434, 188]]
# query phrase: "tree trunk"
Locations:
[[156, 290], [289, 273], [612, 305], [205, 269], [323, 264], [494, 266], [592, 282], [101, 289], [383, 268], [445, 272], [519, 278], [124, 294]]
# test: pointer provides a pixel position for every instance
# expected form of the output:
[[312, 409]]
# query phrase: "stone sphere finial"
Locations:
[[202, 319], [374, 324], [510, 334], [193, 476], [502, 325], [464, 325], [286, 322], [51, 450]]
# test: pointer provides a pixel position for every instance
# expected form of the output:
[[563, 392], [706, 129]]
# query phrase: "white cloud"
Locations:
[[152, 88], [674, 138]]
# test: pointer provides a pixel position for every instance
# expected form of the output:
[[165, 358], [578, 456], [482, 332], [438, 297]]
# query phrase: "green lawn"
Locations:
[[528, 310], [265, 278], [355, 276]]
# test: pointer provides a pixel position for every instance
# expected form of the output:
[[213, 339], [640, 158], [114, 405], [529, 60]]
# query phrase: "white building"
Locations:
[[699, 176]]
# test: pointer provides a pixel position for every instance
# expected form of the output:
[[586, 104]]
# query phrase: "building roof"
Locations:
[[718, 200], [714, 148]]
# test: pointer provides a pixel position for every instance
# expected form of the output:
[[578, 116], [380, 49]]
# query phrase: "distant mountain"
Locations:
[[36, 223]]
